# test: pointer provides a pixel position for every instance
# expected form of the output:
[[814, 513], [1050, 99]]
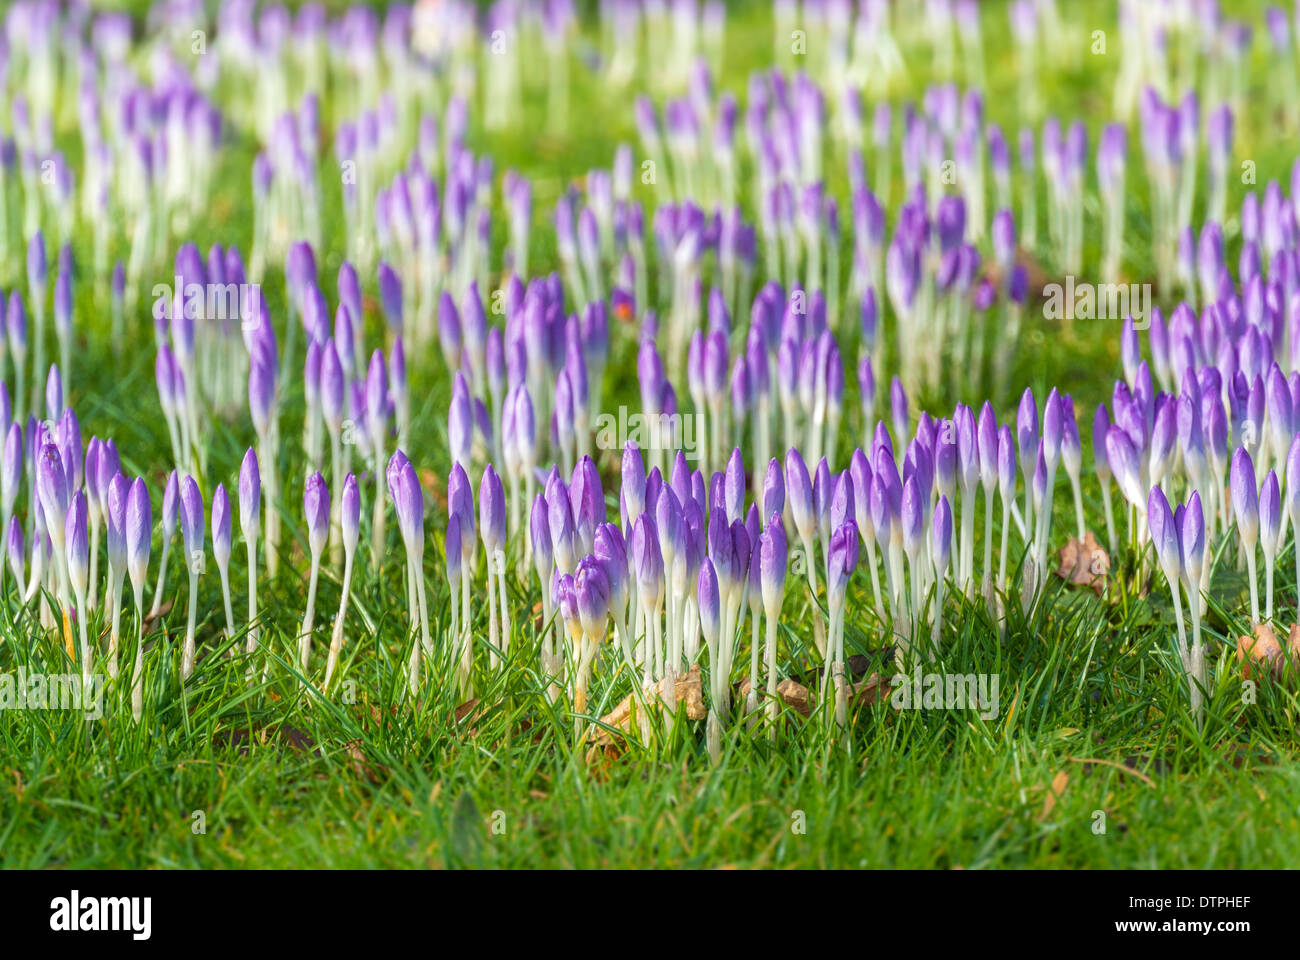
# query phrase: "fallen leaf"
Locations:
[[288, 737], [153, 616], [800, 698], [1054, 793], [1083, 563], [792, 693], [434, 488], [361, 767], [466, 708], [1259, 653], [468, 715], [689, 697], [872, 690]]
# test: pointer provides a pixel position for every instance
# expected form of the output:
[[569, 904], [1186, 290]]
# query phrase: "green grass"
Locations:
[[1090, 696]]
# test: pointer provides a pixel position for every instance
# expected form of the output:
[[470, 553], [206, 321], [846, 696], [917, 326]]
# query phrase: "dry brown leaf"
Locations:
[[874, 689], [689, 692], [1084, 563], [466, 708], [363, 768], [800, 699], [792, 693], [151, 617], [287, 737], [1054, 793], [468, 714], [1259, 653], [434, 488]]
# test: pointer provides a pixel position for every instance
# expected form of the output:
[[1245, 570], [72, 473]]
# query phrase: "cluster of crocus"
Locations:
[[1178, 537], [69, 492], [149, 140], [700, 537]]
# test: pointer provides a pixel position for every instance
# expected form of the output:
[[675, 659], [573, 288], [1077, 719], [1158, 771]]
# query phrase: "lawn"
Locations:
[[1091, 758]]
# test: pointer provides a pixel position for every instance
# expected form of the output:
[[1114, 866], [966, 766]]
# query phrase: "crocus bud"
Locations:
[[15, 547], [390, 296], [1270, 514], [261, 392], [734, 486], [115, 522], [709, 602], [1245, 496], [647, 561], [350, 513], [799, 491], [1100, 427], [611, 550], [633, 483], [669, 522], [773, 489], [986, 435], [171, 505], [1053, 428], [912, 517], [37, 267], [566, 599], [1123, 462], [377, 399], [1039, 486], [78, 545], [408, 503], [1027, 431], [592, 590], [772, 563], [525, 425], [492, 511], [1193, 540], [1164, 534], [52, 488], [333, 397], [11, 468], [842, 557], [540, 532], [560, 521], [221, 526], [1071, 445], [316, 510], [452, 552], [16, 326], [898, 408], [250, 495], [449, 330], [94, 499], [588, 503], [968, 464], [191, 505], [53, 394], [139, 530], [941, 536], [1006, 458], [460, 421]]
